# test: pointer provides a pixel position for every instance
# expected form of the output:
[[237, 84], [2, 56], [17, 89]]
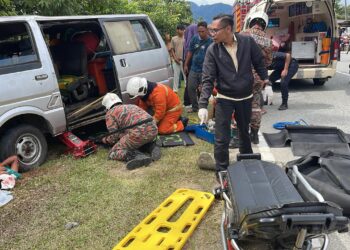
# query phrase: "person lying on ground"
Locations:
[[10, 166]]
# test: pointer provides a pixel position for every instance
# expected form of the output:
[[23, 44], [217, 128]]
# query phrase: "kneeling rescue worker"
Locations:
[[164, 102], [127, 142]]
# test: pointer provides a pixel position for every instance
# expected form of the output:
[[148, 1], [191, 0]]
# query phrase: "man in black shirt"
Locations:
[[229, 62]]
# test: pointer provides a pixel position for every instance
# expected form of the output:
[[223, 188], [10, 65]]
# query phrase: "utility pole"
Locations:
[[346, 16]]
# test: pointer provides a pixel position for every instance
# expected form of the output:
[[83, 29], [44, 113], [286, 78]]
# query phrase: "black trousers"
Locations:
[[193, 82], [187, 100], [276, 74], [223, 115]]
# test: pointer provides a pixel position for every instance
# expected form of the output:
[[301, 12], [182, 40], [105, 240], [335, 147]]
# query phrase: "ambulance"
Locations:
[[307, 30]]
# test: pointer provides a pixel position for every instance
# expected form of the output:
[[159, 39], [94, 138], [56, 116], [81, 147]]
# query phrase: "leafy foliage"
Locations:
[[6, 8], [166, 14], [339, 9]]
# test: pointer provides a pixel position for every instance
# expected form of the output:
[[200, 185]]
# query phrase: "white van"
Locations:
[[310, 30], [54, 72]]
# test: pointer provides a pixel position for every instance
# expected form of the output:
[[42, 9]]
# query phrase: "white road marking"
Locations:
[[264, 149], [347, 74]]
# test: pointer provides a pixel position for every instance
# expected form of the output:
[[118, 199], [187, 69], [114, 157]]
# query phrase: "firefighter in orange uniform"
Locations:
[[163, 101]]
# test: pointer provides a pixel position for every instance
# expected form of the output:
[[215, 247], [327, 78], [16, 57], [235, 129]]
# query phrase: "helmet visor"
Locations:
[[141, 92], [132, 96]]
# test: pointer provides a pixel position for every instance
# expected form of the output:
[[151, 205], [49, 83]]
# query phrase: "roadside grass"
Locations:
[[105, 199]]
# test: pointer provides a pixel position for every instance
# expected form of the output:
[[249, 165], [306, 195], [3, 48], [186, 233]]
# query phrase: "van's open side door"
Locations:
[[136, 48]]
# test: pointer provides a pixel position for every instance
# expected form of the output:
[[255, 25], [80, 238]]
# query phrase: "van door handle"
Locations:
[[41, 77], [122, 62]]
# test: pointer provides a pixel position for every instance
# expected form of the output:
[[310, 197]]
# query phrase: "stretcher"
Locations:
[[170, 224], [261, 204]]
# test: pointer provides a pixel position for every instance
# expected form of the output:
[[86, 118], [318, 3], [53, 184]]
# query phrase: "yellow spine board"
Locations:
[[170, 224]]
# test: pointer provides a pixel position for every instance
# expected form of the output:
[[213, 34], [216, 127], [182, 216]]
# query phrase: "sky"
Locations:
[[204, 2]]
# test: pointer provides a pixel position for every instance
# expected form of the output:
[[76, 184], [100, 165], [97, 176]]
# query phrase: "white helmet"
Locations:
[[259, 17], [137, 86], [109, 99]]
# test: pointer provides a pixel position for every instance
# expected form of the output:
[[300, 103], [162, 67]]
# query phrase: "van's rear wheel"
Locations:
[[319, 81], [26, 141]]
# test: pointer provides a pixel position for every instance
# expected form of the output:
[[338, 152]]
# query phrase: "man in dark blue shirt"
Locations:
[[284, 67], [197, 50]]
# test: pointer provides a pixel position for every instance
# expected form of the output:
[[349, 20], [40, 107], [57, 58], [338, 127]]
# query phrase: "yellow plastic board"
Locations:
[[170, 225]]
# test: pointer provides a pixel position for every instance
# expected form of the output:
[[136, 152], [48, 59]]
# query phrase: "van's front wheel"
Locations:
[[26, 141], [319, 81]]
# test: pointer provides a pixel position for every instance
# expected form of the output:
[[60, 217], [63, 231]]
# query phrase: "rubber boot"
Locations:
[[283, 106], [136, 159], [154, 151], [254, 136], [184, 120]]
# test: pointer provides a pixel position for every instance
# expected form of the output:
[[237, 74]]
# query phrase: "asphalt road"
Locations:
[[327, 105]]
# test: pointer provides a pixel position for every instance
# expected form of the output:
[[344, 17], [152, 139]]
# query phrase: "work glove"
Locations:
[[203, 115]]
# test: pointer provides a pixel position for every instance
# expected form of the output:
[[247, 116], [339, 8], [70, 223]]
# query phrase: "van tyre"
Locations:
[[319, 81], [28, 142]]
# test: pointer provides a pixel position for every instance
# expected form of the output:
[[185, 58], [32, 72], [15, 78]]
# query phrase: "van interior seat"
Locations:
[[71, 62], [71, 58]]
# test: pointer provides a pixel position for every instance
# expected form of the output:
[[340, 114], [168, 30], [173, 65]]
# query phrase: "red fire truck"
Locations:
[[240, 10]]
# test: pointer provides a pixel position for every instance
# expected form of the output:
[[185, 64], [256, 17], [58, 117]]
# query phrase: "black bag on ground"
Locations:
[[329, 174]]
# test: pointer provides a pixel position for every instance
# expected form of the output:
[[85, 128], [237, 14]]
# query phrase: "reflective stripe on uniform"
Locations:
[[166, 89], [175, 127], [176, 108]]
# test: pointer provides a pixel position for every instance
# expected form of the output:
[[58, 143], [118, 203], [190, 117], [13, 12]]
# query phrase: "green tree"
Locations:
[[100, 7], [70, 7], [44, 7], [339, 9], [6, 8], [165, 14]]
